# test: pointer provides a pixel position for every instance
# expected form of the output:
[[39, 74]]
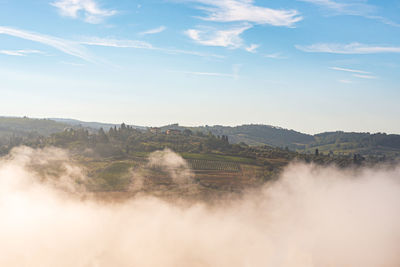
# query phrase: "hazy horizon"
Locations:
[[200, 125]]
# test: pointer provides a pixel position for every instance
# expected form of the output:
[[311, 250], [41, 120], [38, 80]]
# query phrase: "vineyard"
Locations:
[[197, 164], [209, 176]]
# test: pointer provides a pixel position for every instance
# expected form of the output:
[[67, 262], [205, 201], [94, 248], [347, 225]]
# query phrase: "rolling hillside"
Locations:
[[17, 128], [255, 134], [346, 143], [92, 125]]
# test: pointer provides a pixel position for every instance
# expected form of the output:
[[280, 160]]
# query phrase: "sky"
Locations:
[[308, 65]]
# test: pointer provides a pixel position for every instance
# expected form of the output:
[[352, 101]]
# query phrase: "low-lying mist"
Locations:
[[311, 216]]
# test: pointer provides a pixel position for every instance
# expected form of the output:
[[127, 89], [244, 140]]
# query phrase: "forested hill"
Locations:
[[376, 144], [255, 134], [348, 143], [15, 128], [364, 139]]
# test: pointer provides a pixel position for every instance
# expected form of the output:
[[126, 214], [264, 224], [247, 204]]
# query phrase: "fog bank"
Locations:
[[311, 216]]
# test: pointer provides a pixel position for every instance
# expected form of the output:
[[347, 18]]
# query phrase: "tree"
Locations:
[[187, 132], [102, 137]]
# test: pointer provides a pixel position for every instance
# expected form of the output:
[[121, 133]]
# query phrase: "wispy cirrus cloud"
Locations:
[[352, 48], [136, 44], [65, 46], [154, 31], [356, 73], [78, 49], [348, 7], [246, 11], [108, 42], [362, 76], [20, 53], [350, 70], [352, 8], [91, 11], [240, 11], [214, 37]]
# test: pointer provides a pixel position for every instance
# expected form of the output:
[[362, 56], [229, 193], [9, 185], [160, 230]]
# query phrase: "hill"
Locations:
[[13, 129], [339, 142], [92, 125], [110, 157], [366, 144], [257, 134]]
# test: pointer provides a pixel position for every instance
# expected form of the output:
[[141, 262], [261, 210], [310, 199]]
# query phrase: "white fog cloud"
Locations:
[[312, 216]]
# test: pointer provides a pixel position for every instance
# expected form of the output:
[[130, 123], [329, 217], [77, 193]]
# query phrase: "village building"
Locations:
[[173, 132], [155, 130]]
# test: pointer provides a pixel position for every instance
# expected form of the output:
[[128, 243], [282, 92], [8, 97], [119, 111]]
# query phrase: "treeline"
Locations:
[[359, 139], [125, 141], [256, 134], [17, 130]]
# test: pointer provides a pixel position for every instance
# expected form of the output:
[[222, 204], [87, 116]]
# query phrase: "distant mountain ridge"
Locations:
[[93, 125]]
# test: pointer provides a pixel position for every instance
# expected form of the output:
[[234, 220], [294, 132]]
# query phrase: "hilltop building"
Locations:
[[173, 132], [155, 130]]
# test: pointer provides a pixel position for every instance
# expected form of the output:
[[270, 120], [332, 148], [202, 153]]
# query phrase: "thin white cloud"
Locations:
[[348, 7], [77, 48], [95, 41], [91, 11], [356, 73], [252, 48], [350, 70], [65, 46], [352, 8], [274, 56], [352, 48], [154, 31], [246, 11], [136, 44], [211, 37], [365, 76], [19, 53]]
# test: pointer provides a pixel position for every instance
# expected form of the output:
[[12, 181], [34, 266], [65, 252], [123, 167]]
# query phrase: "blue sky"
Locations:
[[308, 65]]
